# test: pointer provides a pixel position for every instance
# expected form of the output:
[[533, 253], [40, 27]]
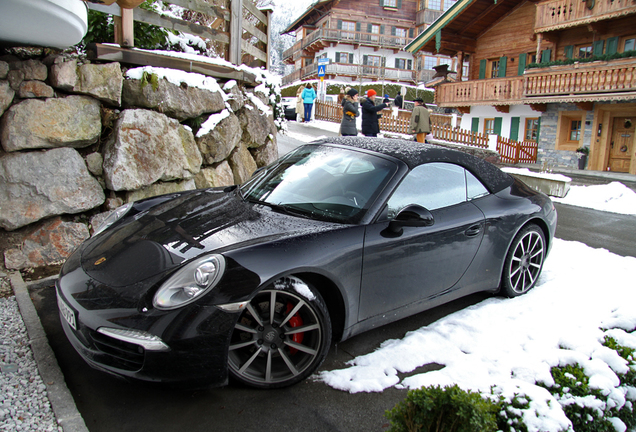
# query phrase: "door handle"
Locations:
[[473, 230]]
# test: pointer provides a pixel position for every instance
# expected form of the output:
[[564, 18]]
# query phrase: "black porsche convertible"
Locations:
[[256, 281]]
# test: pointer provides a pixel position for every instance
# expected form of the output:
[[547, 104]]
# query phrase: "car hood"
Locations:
[[159, 239]]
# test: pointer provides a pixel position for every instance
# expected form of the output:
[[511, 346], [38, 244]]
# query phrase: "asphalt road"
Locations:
[[108, 404]]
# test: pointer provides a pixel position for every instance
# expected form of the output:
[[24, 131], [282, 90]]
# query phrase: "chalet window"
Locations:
[[532, 130], [489, 126], [391, 3], [371, 64], [435, 4], [570, 130], [374, 30], [629, 44], [575, 130], [403, 64], [430, 62], [492, 70], [584, 51], [347, 25], [401, 33], [421, 5], [448, 4], [343, 57]]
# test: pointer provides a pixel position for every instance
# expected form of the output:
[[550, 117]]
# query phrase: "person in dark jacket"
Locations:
[[398, 101], [370, 116], [349, 113]]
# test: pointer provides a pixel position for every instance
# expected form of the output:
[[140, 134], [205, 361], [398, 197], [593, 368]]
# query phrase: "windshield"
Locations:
[[322, 182]]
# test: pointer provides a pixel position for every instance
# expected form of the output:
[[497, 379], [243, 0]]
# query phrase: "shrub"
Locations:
[[448, 409]]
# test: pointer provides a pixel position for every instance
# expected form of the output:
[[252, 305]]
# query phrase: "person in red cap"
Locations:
[[370, 116]]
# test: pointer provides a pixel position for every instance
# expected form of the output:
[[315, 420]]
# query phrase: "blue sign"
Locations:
[[321, 70]]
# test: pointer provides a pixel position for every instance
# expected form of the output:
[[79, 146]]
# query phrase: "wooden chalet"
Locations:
[[561, 72], [364, 40]]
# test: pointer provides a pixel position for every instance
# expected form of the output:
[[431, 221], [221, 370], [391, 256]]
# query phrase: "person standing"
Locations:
[[398, 101], [300, 106], [370, 116], [420, 123], [309, 96], [349, 113]]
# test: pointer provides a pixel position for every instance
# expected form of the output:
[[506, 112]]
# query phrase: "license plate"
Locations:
[[67, 313]]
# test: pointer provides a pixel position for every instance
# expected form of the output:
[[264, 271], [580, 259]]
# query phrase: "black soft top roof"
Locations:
[[413, 154]]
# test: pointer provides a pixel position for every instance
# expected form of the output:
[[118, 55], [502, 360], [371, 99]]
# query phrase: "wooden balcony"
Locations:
[[578, 82], [600, 77], [496, 91], [364, 72], [427, 16], [561, 14], [323, 37]]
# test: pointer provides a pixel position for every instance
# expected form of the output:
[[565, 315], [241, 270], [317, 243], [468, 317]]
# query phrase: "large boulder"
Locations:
[[6, 96], [160, 189], [50, 244], [36, 185], [257, 125], [146, 147], [266, 154], [73, 121], [242, 164], [235, 97], [102, 81], [217, 176], [178, 101], [218, 137]]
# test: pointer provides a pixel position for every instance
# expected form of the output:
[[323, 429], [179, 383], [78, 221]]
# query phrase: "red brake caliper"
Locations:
[[295, 321]]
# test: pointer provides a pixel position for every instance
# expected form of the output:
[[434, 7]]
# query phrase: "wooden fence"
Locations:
[[240, 31], [510, 151]]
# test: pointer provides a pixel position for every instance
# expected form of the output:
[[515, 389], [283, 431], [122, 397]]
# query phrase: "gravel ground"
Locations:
[[24, 404]]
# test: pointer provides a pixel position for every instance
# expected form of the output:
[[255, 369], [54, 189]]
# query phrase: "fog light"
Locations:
[[148, 341]]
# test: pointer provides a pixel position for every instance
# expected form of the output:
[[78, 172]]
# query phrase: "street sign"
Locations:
[[321, 70], [324, 61]]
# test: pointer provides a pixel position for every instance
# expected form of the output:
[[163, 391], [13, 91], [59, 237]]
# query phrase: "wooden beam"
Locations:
[[180, 25], [127, 28], [502, 108], [464, 109], [585, 106], [236, 31], [539, 107]]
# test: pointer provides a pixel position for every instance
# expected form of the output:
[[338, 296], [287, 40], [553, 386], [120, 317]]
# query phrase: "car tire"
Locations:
[[281, 337], [524, 261]]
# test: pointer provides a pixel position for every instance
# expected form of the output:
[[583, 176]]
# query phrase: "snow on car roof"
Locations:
[[413, 154]]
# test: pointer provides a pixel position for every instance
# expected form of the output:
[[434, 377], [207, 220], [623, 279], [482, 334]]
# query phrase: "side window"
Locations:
[[474, 188], [433, 186]]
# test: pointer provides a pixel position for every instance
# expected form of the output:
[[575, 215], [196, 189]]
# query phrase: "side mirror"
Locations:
[[412, 216]]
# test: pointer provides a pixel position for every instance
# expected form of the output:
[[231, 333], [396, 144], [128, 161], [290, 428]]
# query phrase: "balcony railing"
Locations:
[[347, 36], [582, 78], [559, 14], [352, 70], [476, 92], [427, 16]]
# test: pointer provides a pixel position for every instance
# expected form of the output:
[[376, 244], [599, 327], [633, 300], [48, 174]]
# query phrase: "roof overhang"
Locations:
[[301, 20]]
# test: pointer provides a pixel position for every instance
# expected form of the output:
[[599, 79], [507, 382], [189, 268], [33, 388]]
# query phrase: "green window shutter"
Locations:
[[339, 24], [399, 4], [612, 45], [397, 63], [514, 128], [475, 124], [365, 59], [337, 57], [482, 69], [383, 61], [411, 32], [497, 128], [521, 67], [546, 55], [538, 129], [569, 51], [381, 3], [502, 66], [358, 26], [409, 65], [351, 58], [393, 31], [369, 28], [381, 29], [597, 48]]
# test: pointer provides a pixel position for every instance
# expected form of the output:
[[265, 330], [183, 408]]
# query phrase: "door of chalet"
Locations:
[[622, 145]]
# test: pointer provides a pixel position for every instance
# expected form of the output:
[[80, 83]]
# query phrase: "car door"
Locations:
[[422, 262]]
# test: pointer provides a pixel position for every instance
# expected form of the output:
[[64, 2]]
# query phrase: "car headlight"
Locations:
[[190, 283], [117, 214]]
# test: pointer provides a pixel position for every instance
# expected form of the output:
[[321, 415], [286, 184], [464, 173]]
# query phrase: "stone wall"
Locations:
[[80, 139]]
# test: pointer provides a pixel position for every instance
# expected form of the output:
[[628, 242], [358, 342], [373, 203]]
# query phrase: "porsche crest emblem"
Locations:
[[99, 261]]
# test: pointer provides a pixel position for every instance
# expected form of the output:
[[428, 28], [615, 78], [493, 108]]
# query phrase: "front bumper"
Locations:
[[187, 345]]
